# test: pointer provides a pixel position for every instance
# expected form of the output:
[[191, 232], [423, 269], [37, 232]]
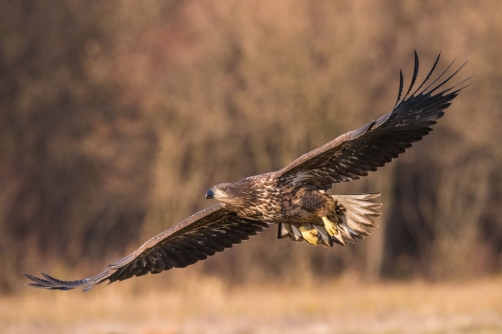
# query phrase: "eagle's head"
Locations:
[[225, 192]]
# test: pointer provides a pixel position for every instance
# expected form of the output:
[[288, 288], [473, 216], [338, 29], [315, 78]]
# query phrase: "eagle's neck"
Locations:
[[256, 197]]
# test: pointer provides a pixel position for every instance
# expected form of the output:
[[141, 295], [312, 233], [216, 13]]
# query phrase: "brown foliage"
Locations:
[[117, 116]]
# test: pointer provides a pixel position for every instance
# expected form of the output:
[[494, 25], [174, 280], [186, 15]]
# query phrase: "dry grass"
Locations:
[[342, 306]]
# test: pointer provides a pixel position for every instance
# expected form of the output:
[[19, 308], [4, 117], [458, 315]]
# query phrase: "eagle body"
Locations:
[[297, 198], [302, 210], [259, 197]]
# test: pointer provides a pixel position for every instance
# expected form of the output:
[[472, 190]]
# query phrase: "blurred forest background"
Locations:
[[116, 116]]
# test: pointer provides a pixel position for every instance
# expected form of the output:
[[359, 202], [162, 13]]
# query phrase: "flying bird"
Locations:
[[298, 198]]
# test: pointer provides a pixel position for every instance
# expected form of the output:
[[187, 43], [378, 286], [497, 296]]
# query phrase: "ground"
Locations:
[[342, 306]]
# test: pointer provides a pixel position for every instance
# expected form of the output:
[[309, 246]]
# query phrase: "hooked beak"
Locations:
[[209, 194]]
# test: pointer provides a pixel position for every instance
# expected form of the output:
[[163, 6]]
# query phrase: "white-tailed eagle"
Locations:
[[297, 198]]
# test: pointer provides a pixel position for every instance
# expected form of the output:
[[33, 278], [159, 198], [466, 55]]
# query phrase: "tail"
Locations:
[[360, 210], [354, 219]]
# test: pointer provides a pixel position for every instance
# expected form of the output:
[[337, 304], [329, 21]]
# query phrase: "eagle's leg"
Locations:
[[330, 226], [310, 234]]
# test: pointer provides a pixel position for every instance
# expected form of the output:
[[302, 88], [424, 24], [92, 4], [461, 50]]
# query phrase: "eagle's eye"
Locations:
[[225, 189]]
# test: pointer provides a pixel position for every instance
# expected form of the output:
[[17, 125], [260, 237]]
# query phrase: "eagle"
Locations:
[[298, 198]]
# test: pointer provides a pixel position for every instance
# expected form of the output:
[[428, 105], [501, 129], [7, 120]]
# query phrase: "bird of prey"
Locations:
[[298, 198]]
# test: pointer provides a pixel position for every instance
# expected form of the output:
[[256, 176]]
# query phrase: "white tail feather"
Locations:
[[359, 212]]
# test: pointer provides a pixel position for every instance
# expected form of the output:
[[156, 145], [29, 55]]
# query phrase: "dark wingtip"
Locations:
[[51, 279], [415, 74], [38, 282], [460, 83], [447, 79], [34, 278], [430, 73], [440, 76], [49, 284], [401, 79]]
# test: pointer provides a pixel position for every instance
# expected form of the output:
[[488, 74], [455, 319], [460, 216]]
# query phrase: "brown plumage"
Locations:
[[297, 197]]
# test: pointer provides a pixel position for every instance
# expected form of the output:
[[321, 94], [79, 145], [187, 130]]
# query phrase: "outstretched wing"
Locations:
[[197, 237], [357, 152]]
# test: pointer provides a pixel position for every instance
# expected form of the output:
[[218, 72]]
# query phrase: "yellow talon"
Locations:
[[330, 226], [310, 234]]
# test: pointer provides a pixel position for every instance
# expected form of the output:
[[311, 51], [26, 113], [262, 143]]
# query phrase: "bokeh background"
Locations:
[[116, 116]]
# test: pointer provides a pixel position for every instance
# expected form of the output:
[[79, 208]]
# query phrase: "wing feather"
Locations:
[[355, 153], [203, 234], [401, 81], [415, 74]]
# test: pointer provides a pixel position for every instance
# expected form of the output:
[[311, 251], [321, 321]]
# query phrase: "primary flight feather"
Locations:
[[297, 197]]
